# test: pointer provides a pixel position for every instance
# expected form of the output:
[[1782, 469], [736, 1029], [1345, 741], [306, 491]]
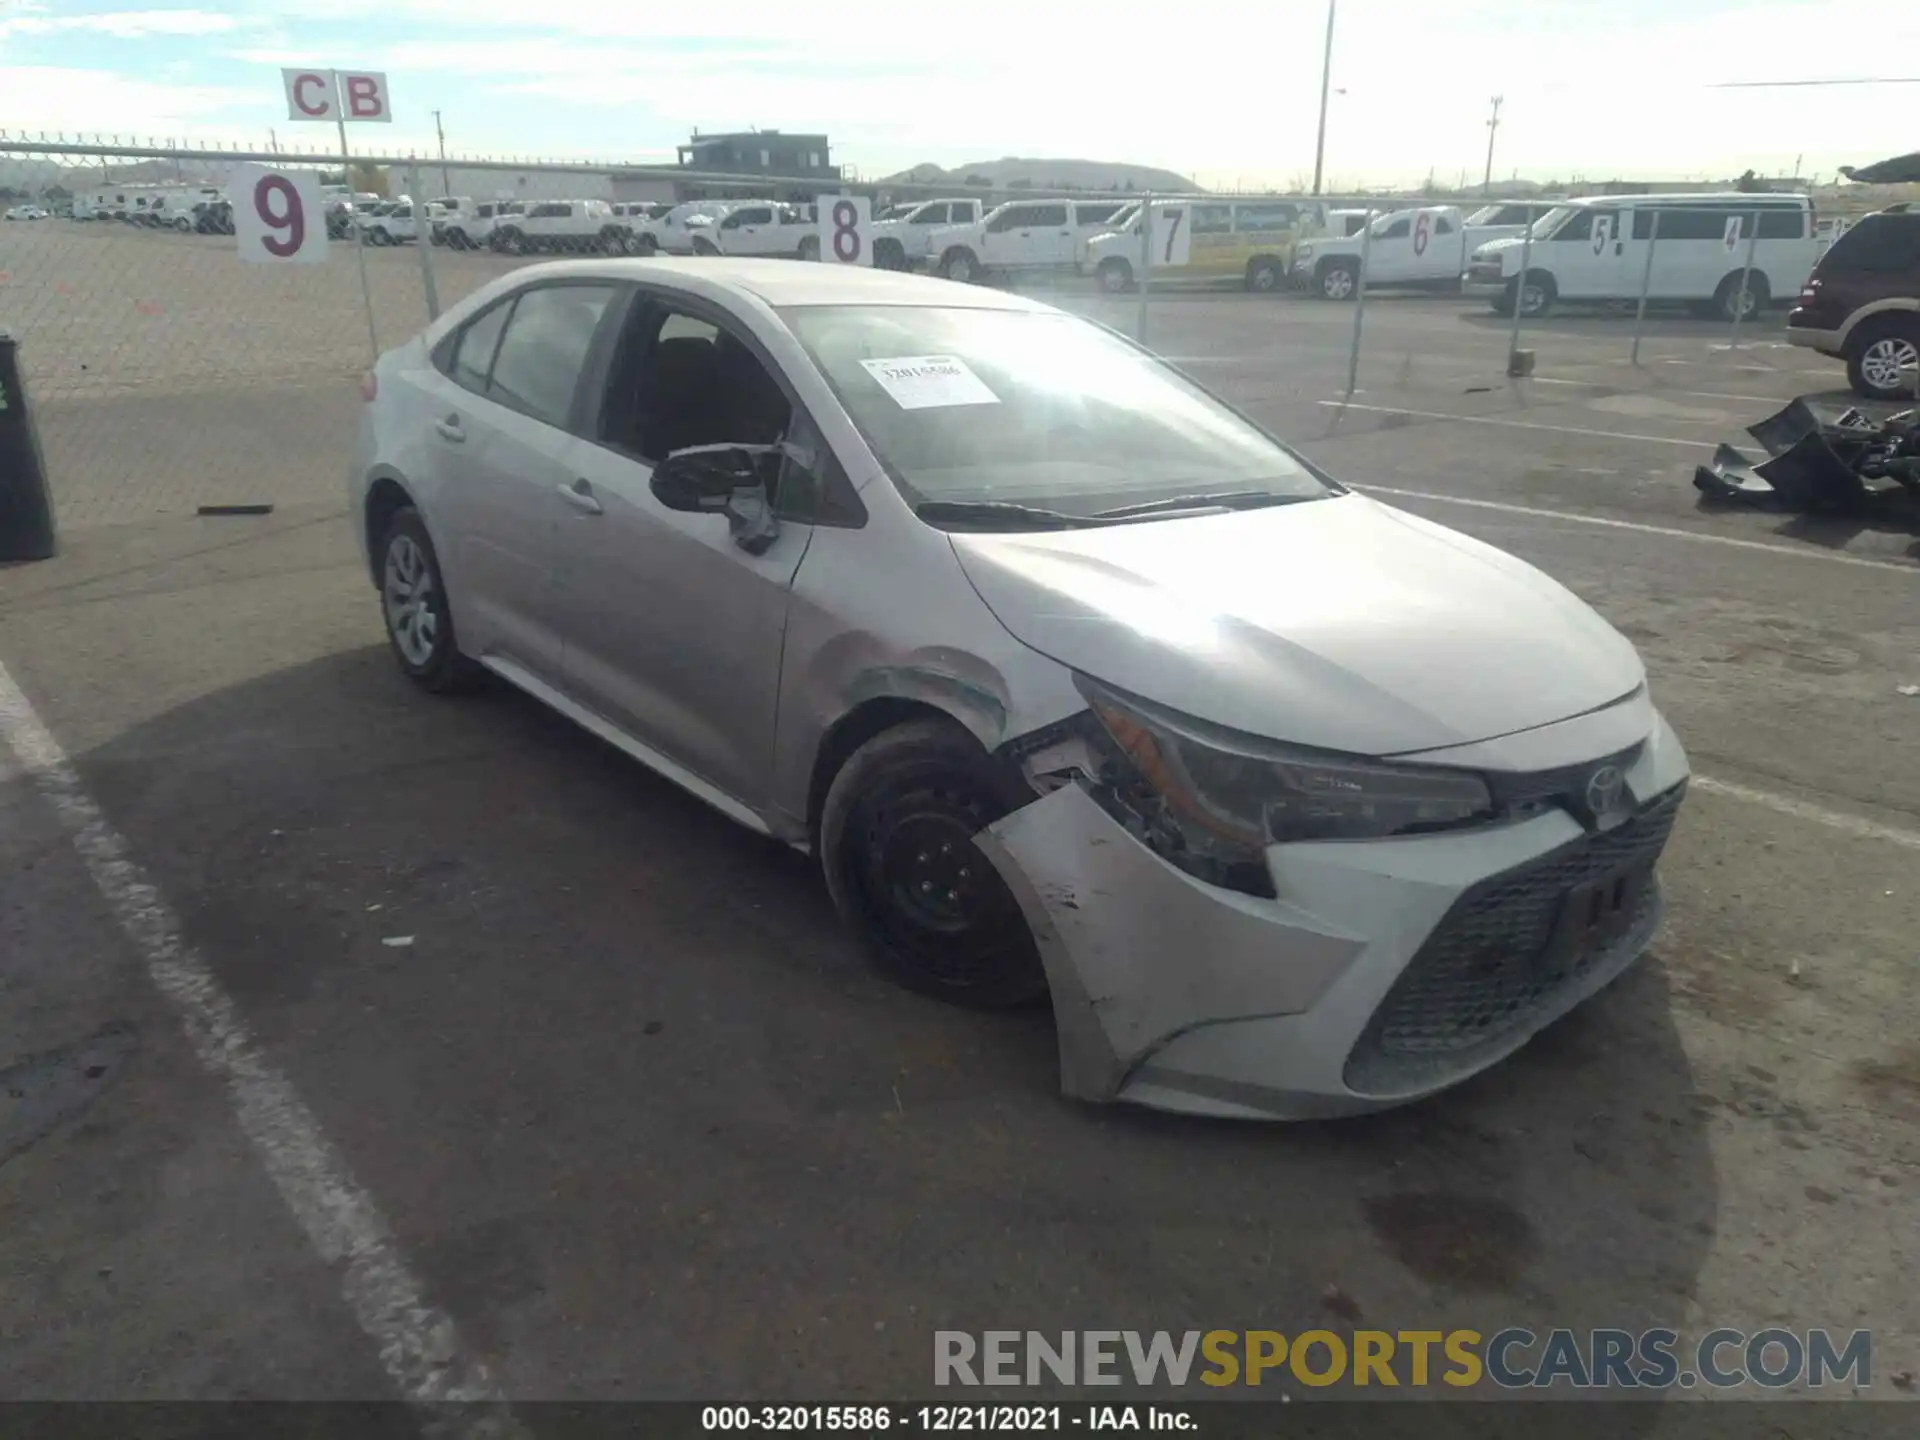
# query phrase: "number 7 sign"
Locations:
[[278, 216]]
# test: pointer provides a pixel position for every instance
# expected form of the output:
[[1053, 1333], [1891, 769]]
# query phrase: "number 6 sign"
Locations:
[[278, 215], [845, 221], [1422, 231]]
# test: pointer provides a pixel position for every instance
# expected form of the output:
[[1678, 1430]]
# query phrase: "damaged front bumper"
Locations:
[[1384, 971]]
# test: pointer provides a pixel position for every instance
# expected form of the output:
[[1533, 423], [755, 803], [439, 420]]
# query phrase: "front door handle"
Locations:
[[579, 494], [449, 429]]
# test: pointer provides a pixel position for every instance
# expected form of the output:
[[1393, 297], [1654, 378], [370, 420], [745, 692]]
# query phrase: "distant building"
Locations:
[[760, 152]]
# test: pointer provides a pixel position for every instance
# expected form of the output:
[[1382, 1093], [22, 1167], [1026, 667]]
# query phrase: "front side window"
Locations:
[[1055, 215], [1033, 409], [538, 365], [935, 214], [1393, 229], [1212, 219]]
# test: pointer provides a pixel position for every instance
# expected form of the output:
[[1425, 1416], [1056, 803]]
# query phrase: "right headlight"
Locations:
[[1305, 252], [1211, 800]]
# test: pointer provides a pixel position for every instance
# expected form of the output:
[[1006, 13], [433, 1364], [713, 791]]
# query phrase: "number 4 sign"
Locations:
[[1733, 233], [278, 216]]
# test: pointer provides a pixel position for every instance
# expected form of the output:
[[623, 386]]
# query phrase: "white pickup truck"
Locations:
[[1425, 248], [473, 229], [901, 240], [762, 228], [1022, 236], [394, 225], [559, 225]]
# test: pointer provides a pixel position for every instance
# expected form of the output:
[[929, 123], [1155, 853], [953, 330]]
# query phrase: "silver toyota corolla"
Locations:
[[1078, 683]]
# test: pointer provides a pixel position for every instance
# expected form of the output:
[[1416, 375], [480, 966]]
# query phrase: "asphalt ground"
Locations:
[[630, 1117]]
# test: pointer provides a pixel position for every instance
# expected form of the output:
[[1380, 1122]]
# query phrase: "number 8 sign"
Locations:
[[845, 221], [278, 216]]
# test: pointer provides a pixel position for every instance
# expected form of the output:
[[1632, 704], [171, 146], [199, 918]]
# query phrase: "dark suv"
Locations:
[[1862, 304]]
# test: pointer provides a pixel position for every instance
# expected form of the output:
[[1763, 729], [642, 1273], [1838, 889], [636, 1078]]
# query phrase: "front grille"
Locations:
[[1486, 975]]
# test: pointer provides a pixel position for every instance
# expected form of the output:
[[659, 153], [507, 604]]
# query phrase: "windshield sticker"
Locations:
[[923, 382]]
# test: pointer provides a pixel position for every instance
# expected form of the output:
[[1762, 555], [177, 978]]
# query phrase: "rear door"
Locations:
[[502, 410]]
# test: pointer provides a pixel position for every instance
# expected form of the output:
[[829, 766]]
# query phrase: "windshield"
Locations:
[[1033, 409], [1544, 227], [1485, 215], [1125, 218]]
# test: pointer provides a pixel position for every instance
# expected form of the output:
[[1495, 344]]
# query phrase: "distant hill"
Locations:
[[1013, 173]]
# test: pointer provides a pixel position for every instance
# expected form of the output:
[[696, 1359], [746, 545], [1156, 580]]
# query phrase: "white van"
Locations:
[[1596, 249], [1021, 237]]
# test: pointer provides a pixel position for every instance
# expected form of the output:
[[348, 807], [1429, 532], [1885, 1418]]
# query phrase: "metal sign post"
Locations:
[[1646, 284], [1746, 277], [1520, 298], [1146, 265], [422, 239], [353, 219], [1359, 304]]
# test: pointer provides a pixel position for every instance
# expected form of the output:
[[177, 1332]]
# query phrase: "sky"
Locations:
[[1225, 91]]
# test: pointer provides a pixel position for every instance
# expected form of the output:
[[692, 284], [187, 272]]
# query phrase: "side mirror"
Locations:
[[725, 480]]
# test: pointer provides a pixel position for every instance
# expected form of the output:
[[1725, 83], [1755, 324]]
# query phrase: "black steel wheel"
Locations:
[[896, 843]]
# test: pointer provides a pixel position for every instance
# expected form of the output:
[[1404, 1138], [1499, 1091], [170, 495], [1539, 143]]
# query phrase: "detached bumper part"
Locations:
[[1386, 970], [1816, 463]]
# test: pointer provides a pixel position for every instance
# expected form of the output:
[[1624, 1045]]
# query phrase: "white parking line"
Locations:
[[1574, 518], [1514, 424], [1691, 394], [1801, 810], [416, 1341]]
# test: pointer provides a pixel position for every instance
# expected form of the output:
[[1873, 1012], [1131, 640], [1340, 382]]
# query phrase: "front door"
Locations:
[[674, 631], [1025, 237], [1587, 254], [500, 421]]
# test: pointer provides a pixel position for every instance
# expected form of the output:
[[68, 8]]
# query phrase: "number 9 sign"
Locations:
[[278, 216], [845, 222]]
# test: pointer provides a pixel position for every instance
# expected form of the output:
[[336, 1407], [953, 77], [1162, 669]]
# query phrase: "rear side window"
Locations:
[[537, 368], [1095, 214], [1783, 224], [1212, 219], [1877, 244], [1048, 215], [473, 356], [1706, 223], [1255, 219]]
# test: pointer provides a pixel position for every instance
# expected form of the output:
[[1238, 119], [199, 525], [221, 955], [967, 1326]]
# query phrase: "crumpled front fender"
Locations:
[[1137, 951]]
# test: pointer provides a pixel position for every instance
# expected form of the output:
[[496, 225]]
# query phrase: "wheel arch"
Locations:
[[1874, 310], [386, 494]]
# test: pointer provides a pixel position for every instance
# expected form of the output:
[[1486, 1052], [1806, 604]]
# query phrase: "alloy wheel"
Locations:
[[411, 603]]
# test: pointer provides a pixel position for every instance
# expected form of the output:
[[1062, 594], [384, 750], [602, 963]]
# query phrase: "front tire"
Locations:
[[896, 844], [1116, 276], [1727, 299], [1883, 358], [414, 604], [1534, 296]]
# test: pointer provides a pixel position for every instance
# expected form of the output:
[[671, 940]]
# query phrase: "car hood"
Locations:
[[1338, 623]]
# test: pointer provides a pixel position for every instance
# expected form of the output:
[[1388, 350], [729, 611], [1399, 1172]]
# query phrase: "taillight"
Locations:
[[369, 387]]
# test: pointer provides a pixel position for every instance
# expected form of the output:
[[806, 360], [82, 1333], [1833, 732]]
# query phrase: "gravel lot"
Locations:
[[637, 1115]]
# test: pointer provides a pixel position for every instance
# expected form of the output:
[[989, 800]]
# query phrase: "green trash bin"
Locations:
[[26, 509]]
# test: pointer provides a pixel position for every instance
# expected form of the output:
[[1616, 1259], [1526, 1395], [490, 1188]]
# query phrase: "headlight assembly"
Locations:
[[1211, 800]]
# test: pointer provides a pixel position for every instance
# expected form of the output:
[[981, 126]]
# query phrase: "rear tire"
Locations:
[[1882, 356], [416, 609], [960, 266], [1264, 275], [896, 845], [810, 248]]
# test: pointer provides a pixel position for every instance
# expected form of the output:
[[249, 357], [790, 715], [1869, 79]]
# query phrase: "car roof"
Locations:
[[1693, 197], [783, 283]]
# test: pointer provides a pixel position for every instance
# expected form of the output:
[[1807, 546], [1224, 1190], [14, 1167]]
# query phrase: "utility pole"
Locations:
[[1493, 129], [273, 140], [446, 185], [1326, 79]]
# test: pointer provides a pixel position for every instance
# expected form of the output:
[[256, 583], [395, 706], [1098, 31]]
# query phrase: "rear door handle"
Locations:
[[579, 494], [449, 429]]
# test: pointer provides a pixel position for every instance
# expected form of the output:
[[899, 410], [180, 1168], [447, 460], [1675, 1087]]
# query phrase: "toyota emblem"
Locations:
[[1604, 789]]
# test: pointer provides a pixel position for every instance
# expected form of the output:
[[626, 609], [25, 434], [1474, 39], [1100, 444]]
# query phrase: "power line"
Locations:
[[1777, 84]]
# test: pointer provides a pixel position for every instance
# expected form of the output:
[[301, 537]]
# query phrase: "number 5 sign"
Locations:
[[277, 215], [845, 222]]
